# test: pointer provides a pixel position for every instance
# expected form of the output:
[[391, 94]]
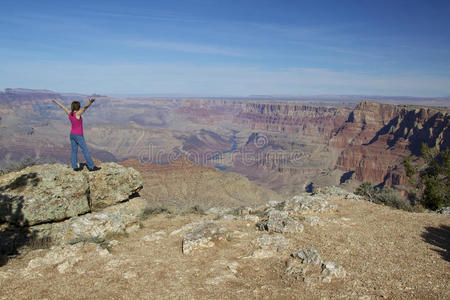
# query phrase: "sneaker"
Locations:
[[95, 168], [78, 169]]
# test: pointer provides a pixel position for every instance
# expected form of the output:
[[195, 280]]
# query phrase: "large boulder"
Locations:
[[112, 184], [42, 193], [54, 192]]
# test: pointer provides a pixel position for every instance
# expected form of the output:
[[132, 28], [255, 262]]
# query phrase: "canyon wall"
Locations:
[[307, 120], [377, 137]]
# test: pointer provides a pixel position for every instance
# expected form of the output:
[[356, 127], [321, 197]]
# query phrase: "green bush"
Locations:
[[431, 180], [384, 195], [389, 197], [435, 178], [367, 190]]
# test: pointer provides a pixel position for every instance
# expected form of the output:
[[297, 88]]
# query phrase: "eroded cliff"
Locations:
[[377, 137]]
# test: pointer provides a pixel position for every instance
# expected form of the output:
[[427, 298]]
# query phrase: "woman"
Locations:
[[76, 134]]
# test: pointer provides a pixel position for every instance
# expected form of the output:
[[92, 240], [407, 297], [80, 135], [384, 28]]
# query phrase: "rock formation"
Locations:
[[53, 201], [377, 137], [313, 121]]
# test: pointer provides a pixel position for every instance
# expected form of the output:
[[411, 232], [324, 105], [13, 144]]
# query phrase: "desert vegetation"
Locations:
[[429, 177], [382, 195]]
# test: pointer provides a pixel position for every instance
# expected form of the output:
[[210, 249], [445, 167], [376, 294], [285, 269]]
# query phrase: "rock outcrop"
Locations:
[[279, 221], [204, 235], [303, 265], [377, 137], [44, 193], [112, 185], [53, 201]]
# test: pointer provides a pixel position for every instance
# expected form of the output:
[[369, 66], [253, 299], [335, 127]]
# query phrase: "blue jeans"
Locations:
[[75, 141]]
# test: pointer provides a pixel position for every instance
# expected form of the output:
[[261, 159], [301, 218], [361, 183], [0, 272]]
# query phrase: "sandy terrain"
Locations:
[[386, 253]]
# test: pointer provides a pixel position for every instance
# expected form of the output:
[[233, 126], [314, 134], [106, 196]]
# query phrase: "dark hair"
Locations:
[[74, 106]]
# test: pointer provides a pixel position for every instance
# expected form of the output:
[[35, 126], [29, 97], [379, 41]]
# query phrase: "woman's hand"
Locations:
[[91, 100]]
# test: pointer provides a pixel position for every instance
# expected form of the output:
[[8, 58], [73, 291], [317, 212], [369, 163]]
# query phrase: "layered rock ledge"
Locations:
[[54, 201]]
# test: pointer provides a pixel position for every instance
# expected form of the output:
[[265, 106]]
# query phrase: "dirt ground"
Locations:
[[386, 253]]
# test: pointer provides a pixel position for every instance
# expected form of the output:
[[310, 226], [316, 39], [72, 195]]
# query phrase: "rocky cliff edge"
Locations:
[[57, 203]]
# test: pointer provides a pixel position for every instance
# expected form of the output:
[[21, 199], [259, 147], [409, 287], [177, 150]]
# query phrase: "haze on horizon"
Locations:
[[233, 48]]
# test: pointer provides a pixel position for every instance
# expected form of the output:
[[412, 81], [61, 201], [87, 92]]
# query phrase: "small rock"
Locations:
[[296, 268], [155, 236], [330, 269], [62, 268], [251, 218], [103, 252], [132, 228], [272, 241], [227, 217], [273, 203], [263, 253], [115, 263], [305, 203], [279, 221], [113, 243], [311, 220], [216, 210], [239, 234], [444, 210], [269, 245], [352, 196], [308, 256], [185, 228], [204, 235]]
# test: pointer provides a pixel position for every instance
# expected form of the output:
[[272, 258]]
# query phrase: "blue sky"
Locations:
[[233, 48]]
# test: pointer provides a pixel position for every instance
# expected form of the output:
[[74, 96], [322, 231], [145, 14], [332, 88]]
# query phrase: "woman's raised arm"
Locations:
[[83, 109], [62, 106]]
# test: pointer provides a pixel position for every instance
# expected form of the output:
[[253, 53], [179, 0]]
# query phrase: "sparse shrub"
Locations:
[[151, 211], [90, 239], [366, 189], [196, 209], [384, 195], [389, 197], [40, 243]]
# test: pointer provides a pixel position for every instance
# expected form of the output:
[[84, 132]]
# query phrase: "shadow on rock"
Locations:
[[21, 181], [439, 237], [14, 231]]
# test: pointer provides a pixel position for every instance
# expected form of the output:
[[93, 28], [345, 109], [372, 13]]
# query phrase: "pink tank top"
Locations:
[[77, 124]]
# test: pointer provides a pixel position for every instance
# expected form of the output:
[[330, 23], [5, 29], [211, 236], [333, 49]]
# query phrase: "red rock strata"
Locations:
[[293, 118], [377, 137]]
